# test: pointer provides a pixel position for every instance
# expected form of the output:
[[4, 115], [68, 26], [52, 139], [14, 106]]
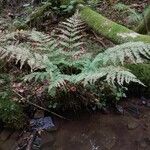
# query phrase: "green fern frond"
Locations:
[[111, 74], [133, 15], [23, 54], [132, 52], [70, 32]]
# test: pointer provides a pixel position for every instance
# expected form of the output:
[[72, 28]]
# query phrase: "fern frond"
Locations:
[[111, 74], [70, 32], [133, 15], [23, 54], [132, 52]]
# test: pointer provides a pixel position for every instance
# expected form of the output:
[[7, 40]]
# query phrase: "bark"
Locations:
[[144, 26], [111, 30]]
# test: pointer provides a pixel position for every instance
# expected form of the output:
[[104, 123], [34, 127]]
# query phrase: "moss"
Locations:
[[115, 32], [11, 113], [142, 71]]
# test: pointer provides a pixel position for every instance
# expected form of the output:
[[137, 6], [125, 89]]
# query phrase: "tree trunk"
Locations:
[[144, 26], [113, 31]]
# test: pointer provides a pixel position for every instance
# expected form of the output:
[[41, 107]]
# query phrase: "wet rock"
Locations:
[[148, 104], [119, 109], [132, 125], [45, 123], [5, 135], [37, 143]]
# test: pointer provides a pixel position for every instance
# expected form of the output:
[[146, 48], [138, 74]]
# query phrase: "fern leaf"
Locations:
[[134, 52], [112, 75]]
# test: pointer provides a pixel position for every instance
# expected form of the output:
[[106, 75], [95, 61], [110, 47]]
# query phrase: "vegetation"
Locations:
[[63, 60], [10, 112]]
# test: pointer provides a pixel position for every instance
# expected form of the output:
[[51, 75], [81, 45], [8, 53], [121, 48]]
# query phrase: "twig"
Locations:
[[40, 107], [99, 40]]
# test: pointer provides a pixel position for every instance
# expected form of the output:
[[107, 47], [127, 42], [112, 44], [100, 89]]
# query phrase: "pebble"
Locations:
[[132, 125]]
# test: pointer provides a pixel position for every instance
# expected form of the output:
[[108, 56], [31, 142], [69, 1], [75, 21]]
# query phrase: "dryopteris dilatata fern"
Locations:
[[35, 47], [132, 14], [106, 65], [66, 50], [70, 35]]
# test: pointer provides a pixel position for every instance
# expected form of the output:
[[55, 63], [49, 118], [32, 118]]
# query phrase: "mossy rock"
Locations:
[[11, 114], [142, 71]]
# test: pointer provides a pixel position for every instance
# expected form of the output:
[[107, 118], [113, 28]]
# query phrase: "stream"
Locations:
[[93, 131]]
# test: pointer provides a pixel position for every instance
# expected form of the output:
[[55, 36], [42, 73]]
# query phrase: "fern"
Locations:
[[38, 47], [132, 52], [132, 14], [25, 46], [70, 32], [65, 50], [111, 74]]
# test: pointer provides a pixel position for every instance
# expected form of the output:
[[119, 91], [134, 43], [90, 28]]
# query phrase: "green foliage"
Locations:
[[142, 71], [10, 112], [133, 15], [66, 61]]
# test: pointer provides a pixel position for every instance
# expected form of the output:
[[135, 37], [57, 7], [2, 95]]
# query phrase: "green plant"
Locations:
[[142, 71], [10, 112], [67, 62], [133, 15]]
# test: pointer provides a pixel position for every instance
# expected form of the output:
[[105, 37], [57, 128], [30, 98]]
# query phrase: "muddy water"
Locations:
[[96, 132], [104, 132]]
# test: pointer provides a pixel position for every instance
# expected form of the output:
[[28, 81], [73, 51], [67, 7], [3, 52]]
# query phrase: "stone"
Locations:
[[148, 104], [39, 114], [132, 125]]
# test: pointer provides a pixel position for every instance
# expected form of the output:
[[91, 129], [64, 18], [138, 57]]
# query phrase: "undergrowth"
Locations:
[[10, 112], [71, 72]]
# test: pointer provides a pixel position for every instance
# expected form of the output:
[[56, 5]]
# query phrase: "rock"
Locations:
[[132, 125], [39, 114], [5, 135], [148, 104], [44, 123], [119, 109]]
